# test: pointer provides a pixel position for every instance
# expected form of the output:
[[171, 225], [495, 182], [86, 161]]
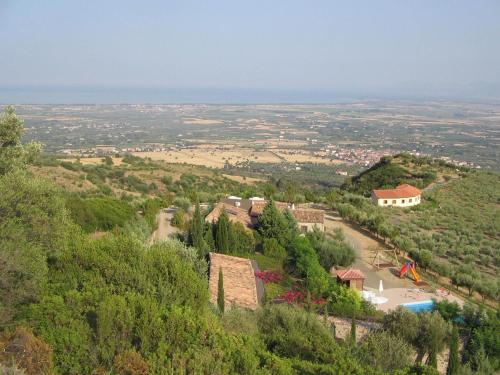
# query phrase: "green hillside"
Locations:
[[391, 171]]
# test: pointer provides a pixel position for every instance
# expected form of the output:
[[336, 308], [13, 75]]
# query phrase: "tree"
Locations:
[[220, 292], [385, 352], [293, 228], [402, 323], [34, 225], [272, 224], [424, 259], [431, 337], [241, 239], [222, 233], [209, 236], [454, 359], [352, 333], [195, 235], [273, 249], [14, 155]]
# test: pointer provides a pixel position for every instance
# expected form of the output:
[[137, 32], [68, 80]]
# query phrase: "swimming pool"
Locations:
[[420, 306]]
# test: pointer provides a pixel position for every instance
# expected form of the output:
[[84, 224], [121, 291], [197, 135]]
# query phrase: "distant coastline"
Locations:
[[160, 95]]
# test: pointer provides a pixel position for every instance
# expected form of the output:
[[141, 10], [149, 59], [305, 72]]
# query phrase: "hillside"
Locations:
[[401, 169], [454, 232]]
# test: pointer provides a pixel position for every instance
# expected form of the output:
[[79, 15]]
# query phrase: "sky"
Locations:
[[352, 47]]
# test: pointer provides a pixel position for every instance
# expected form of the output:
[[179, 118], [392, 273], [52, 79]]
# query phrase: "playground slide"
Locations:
[[415, 274], [403, 270]]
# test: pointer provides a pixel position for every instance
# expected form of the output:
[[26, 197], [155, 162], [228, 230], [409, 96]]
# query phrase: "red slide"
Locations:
[[403, 270]]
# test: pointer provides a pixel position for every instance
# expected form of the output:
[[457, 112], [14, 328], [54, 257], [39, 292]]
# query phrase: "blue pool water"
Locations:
[[421, 306]]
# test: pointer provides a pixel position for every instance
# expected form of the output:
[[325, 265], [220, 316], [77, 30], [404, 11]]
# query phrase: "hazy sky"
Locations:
[[272, 44]]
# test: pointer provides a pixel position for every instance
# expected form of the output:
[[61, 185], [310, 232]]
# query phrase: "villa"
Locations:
[[247, 212], [402, 196]]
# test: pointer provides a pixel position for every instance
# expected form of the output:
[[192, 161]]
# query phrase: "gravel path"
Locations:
[[165, 229]]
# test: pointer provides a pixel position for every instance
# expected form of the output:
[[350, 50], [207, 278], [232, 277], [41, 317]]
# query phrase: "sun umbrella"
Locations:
[[380, 287]]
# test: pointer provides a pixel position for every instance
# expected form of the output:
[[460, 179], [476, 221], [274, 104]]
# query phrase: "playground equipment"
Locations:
[[379, 259], [410, 266]]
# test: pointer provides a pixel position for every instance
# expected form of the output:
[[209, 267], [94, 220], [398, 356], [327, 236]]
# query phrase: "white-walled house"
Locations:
[[402, 196]]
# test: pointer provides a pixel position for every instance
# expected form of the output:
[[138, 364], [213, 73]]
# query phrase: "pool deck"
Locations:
[[398, 296]]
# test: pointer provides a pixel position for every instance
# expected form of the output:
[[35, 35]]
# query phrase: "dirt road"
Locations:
[[165, 229], [364, 245]]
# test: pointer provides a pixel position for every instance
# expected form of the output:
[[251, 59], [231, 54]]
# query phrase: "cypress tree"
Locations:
[[222, 233], [353, 331], [196, 231], [454, 360], [220, 292], [209, 237]]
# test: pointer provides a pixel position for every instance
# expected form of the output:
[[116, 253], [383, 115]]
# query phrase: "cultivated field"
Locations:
[[217, 158]]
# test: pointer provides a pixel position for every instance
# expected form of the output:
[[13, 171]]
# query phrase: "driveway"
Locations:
[[165, 229], [364, 246]]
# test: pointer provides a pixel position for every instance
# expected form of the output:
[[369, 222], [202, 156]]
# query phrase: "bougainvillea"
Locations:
[[269, 276]]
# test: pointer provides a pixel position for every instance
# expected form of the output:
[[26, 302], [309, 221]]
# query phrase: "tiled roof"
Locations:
[[258, 207], [302, 215], [235, 214], [308, 215], [350, 274], [402, 191], [240, 285]]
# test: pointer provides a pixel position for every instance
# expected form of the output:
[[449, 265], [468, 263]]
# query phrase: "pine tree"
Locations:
[[272, 224], [220, 292], [222, 233], [454, 360]]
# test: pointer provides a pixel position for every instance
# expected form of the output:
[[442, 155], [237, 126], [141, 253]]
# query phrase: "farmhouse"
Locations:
[[247, 212], [402, 196], [241, 287]]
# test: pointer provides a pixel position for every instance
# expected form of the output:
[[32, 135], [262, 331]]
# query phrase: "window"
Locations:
[[409, 200], [303, 228], [393, 201], [385, 201], [402, 200]]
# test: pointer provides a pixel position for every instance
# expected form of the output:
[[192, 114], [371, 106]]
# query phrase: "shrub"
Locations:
[[28, 352], [130, 363]]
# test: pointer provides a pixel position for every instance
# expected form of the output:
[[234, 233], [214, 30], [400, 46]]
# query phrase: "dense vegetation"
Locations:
[[74, 304]]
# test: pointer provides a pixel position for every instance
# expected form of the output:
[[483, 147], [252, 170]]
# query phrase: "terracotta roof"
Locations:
[[240, 285], [302, 215], [308, 215], [350, 274], [235, 214], [258, 207], [402, 191]]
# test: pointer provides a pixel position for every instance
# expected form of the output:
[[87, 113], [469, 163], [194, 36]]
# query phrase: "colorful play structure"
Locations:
[[410, 266]]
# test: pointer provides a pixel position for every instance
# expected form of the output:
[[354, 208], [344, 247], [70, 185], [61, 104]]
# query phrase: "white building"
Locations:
[[402, 196]]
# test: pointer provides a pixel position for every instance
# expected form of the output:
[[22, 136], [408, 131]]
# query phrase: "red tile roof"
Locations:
[[240, 284], [308, 215], [258, 207], [350, 274], [402, 191], [302, 215], [235, 214]]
